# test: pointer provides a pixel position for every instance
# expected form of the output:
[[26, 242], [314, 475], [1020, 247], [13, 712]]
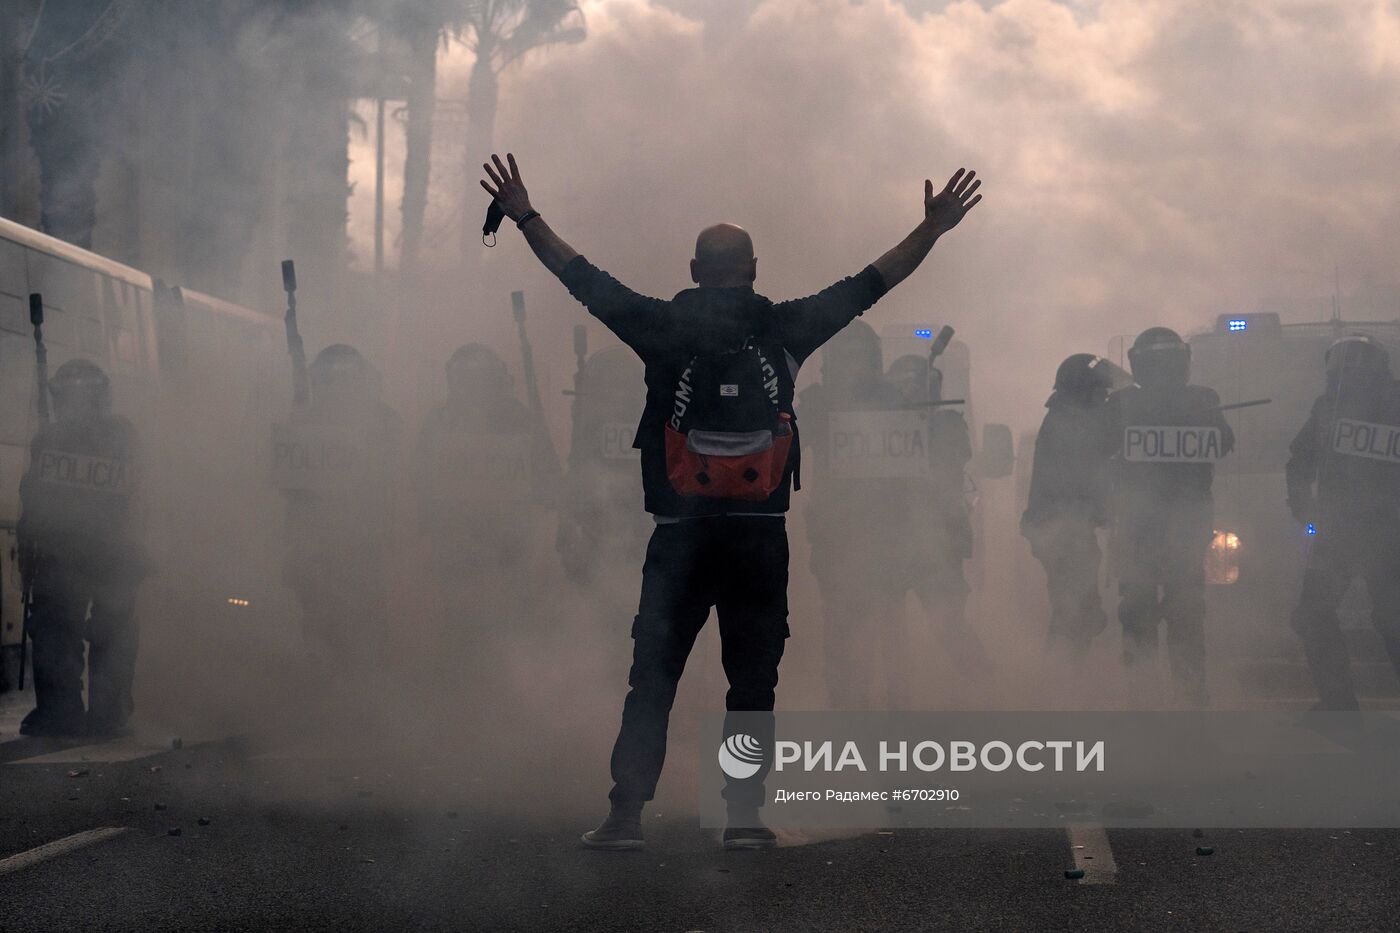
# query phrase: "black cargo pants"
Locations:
[[739, 566], [1371, 552], [71, 607]]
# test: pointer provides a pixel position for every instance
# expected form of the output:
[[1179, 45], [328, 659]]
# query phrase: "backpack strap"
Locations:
[[792, 367], [796, 458]]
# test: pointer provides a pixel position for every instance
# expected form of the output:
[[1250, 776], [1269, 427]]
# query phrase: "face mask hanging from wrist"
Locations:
[[494, 217]]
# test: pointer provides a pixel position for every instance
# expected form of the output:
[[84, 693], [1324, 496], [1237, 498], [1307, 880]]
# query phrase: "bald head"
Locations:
[[724, 258]]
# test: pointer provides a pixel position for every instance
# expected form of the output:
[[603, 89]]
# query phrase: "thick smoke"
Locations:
[[1147, 163], [1153, 162]]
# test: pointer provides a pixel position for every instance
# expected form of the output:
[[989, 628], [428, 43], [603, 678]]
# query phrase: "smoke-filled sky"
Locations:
[[1147, 161]]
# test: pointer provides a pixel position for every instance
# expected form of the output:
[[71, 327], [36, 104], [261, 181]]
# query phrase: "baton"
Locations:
[[940, 343], [1234, 405], [300, 389], [919, 406], [41, 377]]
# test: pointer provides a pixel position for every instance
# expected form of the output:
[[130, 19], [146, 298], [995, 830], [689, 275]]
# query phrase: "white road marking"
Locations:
[[1092, 853], [116, 750], [60, 847]]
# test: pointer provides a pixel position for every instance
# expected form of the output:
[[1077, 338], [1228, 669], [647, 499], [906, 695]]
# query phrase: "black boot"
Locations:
[[51, 722], [621, 831], [746, 831], [107, 725]]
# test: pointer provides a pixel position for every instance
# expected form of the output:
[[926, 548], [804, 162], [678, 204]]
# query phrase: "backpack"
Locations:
[[731, 426]]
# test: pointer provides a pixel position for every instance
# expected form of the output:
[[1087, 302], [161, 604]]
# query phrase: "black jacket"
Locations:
[[666, 335], [1340, 489], [1149, 485], [80, 495], [1069, 475]]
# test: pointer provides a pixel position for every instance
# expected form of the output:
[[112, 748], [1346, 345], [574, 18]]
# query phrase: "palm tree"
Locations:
[[500, 33], [16, 28], [66, 78], [421, 29]]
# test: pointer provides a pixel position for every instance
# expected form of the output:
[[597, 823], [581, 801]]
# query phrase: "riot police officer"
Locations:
[[81, 553], [1068, 500], [849, 517], [1167, 435], [477, 486], [935, 538], [1346, 494], [599, 521], [338, 524]]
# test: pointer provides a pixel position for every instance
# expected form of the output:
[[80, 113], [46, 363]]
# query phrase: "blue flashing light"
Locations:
[[1312, 529], [1237, 325], [923, 333]]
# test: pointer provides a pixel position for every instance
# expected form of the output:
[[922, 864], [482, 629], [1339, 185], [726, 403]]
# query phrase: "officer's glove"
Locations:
[[575, 550]]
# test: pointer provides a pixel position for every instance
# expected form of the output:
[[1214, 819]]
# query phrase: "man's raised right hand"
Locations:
[[509, 190]]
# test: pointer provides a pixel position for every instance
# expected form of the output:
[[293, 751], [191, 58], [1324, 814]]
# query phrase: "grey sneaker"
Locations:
[[753, 835], [620, 832]]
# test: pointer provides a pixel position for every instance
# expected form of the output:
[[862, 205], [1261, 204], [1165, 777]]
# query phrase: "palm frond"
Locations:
[[542, 23]]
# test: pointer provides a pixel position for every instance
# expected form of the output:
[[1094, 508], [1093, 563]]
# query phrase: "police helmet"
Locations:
[[81, 385], [473, 369], [1357, 354], [1159, 358], [854, 349], [1082, 372], [339, 362], [340, 371], [614, 372], [915, 380]]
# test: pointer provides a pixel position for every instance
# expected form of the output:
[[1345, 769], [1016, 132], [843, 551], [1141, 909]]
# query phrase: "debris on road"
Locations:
[[177, 743], [173, 831], [1205, 850], [79, 772], [203, 821], [1074, 874]]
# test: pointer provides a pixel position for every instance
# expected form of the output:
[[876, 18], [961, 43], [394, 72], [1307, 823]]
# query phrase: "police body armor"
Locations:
[[476, 484], [1349, 447], [1170, 439], [858, 519], [78, 494]]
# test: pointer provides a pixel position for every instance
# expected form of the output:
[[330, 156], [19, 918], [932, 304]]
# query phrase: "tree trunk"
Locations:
[[70, 158], [11, 147], [482, 95], [418, 140], [18, 168]]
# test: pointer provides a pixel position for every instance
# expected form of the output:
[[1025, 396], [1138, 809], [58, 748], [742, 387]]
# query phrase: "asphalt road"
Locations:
[[309, 835]]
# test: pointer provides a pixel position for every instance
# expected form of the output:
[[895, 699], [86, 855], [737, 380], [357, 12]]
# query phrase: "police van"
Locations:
[[1255, 562], [197, 375]]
